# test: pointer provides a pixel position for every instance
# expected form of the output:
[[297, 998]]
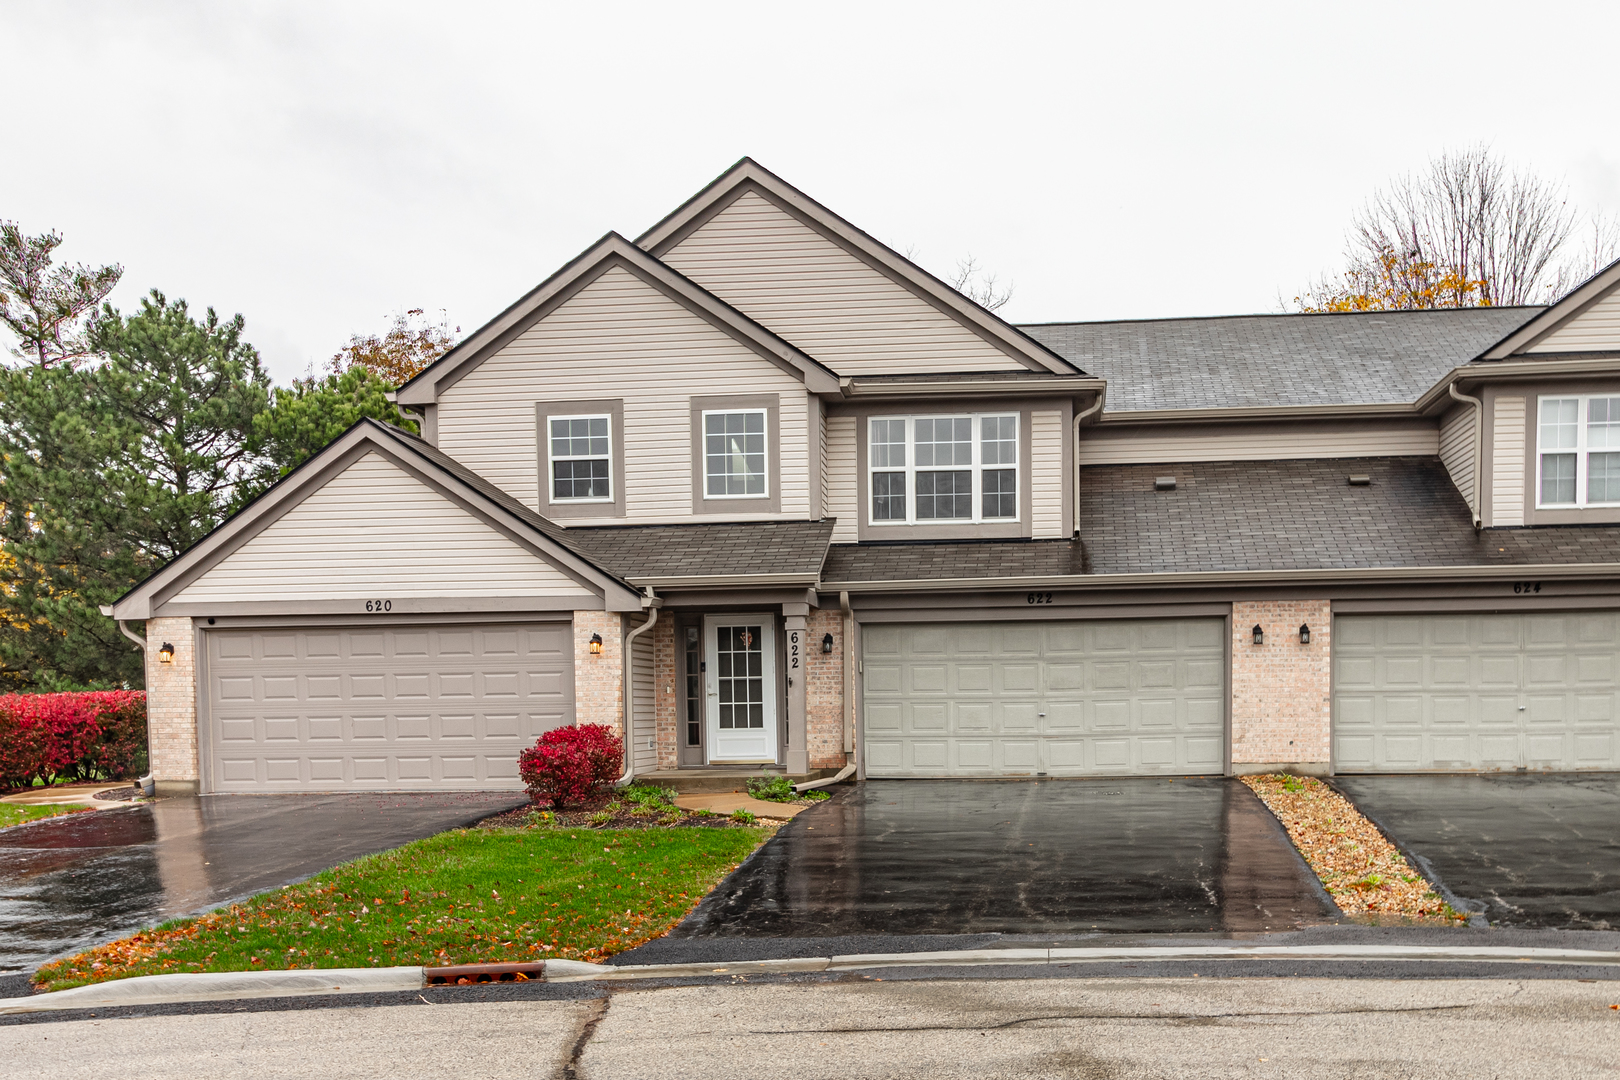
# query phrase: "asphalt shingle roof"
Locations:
[[951, 559], [1360, 358], [757, 547], [1304, 515]]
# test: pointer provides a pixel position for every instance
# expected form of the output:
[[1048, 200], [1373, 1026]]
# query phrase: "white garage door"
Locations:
[[1419, 693], [405, 708], [1107, 697]]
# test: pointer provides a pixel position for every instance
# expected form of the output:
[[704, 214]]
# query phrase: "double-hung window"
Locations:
[[734, 455], [925, 469], [581, 458], [1578, 451]]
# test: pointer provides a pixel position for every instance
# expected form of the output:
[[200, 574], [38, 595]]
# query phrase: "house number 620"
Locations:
[[379, 605], [793, 649]]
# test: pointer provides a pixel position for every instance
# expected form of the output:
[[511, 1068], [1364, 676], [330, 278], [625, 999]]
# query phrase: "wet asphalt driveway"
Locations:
[[1527, 851], [1021, 857], [72, 882]]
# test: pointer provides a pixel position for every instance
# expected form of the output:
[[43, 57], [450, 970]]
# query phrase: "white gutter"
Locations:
[[629, 666], [1479, 452], [1089, 411], [849, 702]]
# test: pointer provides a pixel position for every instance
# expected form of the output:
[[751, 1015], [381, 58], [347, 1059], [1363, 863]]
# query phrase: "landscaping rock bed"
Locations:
[[1361, 870]]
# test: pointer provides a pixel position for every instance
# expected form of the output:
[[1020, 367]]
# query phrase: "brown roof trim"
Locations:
[[748, 174], [1258, 412], [1578, 299], [868, 389], [1515, 370], [611, 251]]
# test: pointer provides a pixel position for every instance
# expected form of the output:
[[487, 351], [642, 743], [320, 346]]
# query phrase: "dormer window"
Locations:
[[929, 469], [1578, 451]]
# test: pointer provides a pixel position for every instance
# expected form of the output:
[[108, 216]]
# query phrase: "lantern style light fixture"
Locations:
[[1259, 635], [166, 653], [596, 644], [826, 643], [1304, 634]]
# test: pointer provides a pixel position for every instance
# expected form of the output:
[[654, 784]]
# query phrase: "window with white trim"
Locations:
[[1578, 451], [734, 455], [926, 469], [581, 450]]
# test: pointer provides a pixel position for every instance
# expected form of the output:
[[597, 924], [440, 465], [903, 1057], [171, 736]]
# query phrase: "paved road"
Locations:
[[76, 881], [859, 1027]]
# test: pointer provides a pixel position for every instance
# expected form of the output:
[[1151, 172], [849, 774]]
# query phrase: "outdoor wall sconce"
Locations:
[[596, 644], [166, 653], [1259, 635], [826, 643], [1304, 634]]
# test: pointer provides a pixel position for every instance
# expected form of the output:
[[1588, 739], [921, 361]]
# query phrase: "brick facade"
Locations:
[[824, 690], [666, 691], [1282, 690], [171, 705], [599, 680]]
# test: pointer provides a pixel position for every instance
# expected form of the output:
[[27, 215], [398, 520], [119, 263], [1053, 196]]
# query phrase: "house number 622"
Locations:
[[793, 649]]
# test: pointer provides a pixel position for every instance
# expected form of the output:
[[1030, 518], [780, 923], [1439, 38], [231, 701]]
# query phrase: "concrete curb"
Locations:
[[236, 985]]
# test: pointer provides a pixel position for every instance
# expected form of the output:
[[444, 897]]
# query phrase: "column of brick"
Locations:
[[666, 692], [599, 680], [824, 691], [171, 704], [1282, 708]]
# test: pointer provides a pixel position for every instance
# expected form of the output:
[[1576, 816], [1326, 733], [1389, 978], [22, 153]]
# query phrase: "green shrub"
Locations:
[[743, 817], [772, 789], [650, 795]]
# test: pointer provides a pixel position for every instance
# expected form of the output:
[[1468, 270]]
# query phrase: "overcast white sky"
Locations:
[[317, 166]]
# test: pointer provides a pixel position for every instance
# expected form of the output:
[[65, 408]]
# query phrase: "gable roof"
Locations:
[[611, 251], [1595, 289], [749, 176], [413, 456], [1261, 361]]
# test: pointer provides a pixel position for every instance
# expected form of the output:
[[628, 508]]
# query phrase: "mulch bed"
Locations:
[[119, 794], [596, 815], [1361, 870]]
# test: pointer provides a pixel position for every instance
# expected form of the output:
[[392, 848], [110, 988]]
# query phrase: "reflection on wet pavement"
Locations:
[[1045, 856], [1530, 851], [72, 882]]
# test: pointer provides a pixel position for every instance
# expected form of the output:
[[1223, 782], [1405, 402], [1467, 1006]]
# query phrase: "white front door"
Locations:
[[740, 687]]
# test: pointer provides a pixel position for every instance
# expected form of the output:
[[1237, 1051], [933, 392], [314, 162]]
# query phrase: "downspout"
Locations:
[[653, 603], [849, 702], [147, 783], [1089, 411], [1479, 453]]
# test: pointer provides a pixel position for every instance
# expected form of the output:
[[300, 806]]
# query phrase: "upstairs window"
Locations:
[[1578, 451], [926, 469], [734, 455], [581, 459]]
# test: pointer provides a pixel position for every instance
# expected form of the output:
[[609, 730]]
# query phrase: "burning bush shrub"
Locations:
[[87, 735], [570, 764]]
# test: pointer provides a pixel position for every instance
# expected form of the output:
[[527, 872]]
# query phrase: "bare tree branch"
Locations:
[[978, 285]]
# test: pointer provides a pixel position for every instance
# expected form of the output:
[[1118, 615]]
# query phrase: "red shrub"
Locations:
[[95, 734], [569, 764]]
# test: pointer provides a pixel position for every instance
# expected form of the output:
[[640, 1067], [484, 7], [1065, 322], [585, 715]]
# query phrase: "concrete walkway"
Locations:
[[731, 801], [67, 795]]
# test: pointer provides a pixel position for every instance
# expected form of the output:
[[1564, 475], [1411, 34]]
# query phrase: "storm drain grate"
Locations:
[[472, 974]]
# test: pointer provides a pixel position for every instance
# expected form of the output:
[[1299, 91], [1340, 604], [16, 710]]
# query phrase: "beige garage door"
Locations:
[[1108, 697], [405, 708], [1421, 693]]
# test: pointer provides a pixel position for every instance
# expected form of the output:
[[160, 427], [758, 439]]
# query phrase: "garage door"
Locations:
[[406, 708], [1109, 697], [1476, 692]]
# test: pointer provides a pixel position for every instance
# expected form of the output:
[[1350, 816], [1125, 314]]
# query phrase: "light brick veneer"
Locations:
[[824, 690], [1282, 690], [599, 680], [171, 705], [666, 691]]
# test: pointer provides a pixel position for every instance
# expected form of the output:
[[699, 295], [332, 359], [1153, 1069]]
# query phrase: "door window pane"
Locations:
[[889, 496], [1557, 478], [1602, 478], [1000, 493], [740, 676], [944, 494], [734, 453], [694, 688]]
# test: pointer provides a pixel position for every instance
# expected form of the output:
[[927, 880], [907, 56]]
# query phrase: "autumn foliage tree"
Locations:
[[411, 343]]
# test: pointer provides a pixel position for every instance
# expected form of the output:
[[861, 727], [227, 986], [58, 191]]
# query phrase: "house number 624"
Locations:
[[793, 649]]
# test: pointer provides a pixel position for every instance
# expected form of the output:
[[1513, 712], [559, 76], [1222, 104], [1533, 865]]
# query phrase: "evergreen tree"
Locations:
[[304, 418]]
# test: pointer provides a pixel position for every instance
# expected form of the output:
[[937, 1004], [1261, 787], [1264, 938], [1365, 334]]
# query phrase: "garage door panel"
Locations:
[[408, 708], [1062, 698], [1500, 691]]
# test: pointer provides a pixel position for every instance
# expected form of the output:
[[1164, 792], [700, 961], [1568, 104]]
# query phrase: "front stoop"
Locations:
[[721, 779]]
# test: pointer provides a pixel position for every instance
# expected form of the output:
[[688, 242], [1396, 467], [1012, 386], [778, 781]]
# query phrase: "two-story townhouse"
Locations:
[[763, 494]]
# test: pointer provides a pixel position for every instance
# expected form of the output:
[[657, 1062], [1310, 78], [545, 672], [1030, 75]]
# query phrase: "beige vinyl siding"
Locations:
[[843, 485], [818, 464], [644, 752], [1507, 462], [619, 338], [1594, 329], [1046, 477], [376, 531], [1147, 444], [842, 311], [1457, 450]]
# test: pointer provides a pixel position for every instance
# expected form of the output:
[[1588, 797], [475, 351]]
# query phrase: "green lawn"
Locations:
[[18, 814], [468, 896]]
